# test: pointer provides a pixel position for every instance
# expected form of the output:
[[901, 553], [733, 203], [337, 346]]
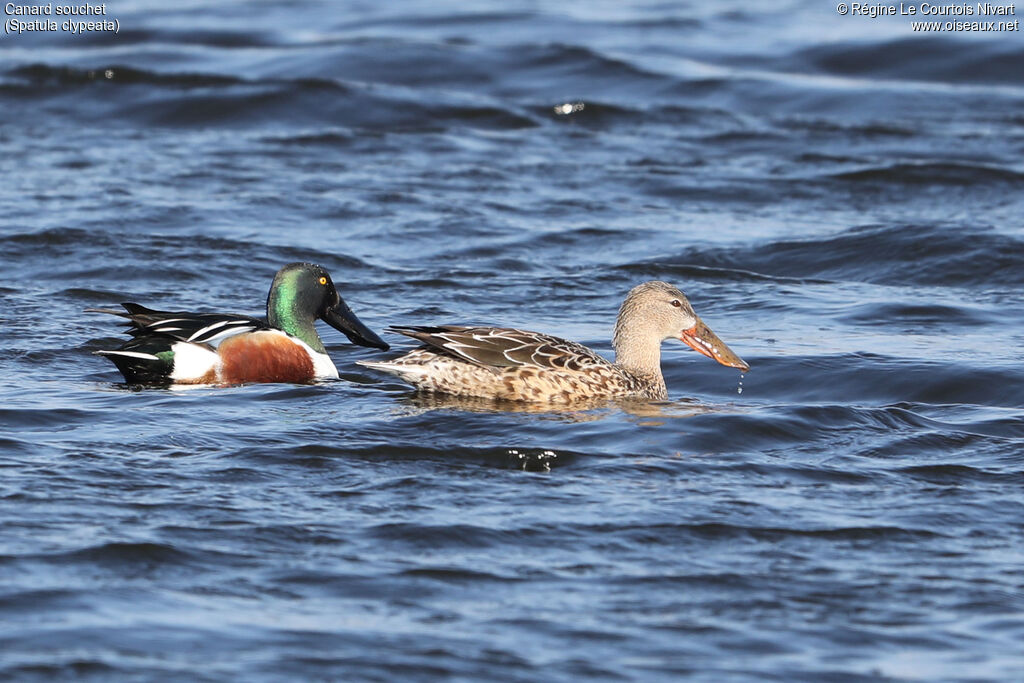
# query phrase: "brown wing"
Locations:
[[503, 347]]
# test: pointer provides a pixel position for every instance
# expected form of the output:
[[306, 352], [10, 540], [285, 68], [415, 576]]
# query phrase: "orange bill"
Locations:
[[700, 338]]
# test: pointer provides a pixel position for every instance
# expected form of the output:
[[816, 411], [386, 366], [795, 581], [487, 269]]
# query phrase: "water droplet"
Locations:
[[569, 108], [739, 388]]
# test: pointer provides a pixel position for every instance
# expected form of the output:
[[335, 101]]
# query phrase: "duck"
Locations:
[[520, 365], [174, 347]]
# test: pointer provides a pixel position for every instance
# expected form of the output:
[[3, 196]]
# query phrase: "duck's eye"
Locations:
[[323, 280], [677, 303]]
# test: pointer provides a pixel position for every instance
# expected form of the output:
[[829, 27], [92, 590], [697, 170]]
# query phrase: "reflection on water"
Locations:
[[653, 414], [640, 412], [583, 410]]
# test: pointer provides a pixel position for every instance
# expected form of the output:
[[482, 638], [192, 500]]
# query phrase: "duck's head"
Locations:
[[657, 309], [303, 292]]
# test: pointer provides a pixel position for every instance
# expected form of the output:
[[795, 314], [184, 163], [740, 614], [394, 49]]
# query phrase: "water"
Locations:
[[840, 198]]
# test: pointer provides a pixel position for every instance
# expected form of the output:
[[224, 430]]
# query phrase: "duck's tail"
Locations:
[[143, 360]]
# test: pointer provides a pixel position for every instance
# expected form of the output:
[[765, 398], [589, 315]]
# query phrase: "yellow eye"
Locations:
[[323, 280]]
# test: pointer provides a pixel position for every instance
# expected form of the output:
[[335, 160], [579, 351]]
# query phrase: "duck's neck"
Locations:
[[640, 356], [285, 313]]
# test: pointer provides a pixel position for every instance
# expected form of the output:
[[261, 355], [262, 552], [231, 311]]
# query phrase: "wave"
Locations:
[[113, 255], [931, 59], [195, 100], [389, 449], [901, 254], [372, 87], [934, 173], [863, 377], [40, 77]]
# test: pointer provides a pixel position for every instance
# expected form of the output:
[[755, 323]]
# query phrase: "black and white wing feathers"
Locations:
[[197, 328]]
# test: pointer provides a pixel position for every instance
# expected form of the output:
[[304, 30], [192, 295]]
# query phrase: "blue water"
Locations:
[[840, 198]]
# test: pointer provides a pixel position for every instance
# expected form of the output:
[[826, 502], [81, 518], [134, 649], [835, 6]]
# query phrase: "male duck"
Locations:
[[503, 363], [218, 348]]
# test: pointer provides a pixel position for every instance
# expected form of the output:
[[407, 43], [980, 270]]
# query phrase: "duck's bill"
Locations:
[[345, 321], [700, 338]]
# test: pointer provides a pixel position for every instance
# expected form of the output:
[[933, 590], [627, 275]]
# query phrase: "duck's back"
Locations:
[[505, 363]]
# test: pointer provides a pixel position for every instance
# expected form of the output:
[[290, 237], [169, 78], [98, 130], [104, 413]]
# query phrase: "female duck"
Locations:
[[225, 348], [503, 363]]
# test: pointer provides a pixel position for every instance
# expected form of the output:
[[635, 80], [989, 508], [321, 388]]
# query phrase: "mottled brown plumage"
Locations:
[[520, 365]]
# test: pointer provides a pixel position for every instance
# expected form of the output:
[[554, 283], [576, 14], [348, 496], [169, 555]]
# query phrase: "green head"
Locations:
[[303, 292]]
